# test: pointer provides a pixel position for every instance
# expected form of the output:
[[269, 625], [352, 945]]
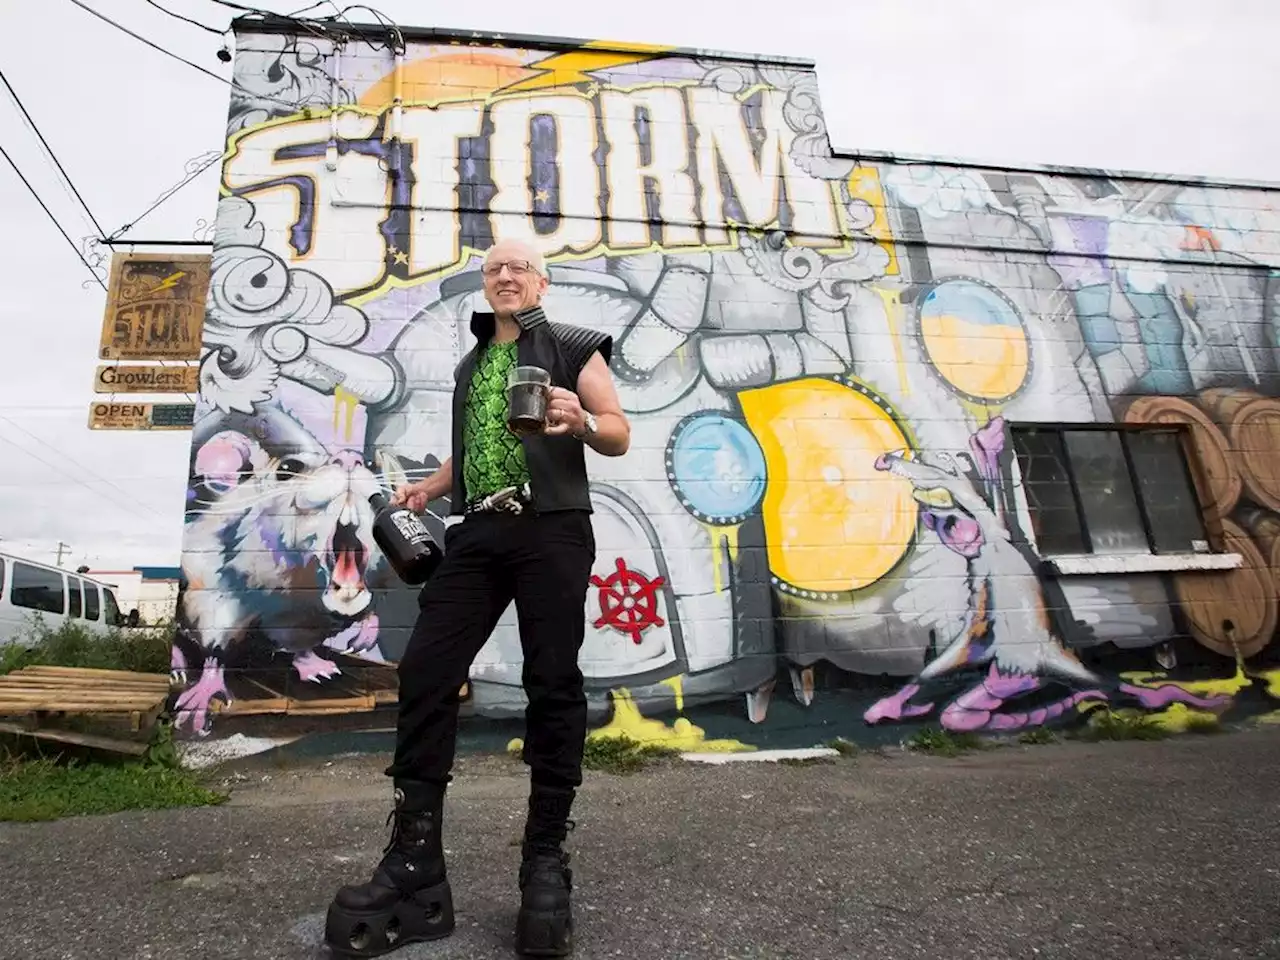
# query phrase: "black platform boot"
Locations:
[[544, 927], [408, 900]]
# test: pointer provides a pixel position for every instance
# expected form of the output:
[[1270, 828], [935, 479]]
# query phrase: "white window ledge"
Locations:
[[1144, 563]]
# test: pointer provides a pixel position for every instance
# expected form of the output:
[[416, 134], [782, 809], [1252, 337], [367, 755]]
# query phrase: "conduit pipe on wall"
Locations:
[[397, 100], [335, 99]]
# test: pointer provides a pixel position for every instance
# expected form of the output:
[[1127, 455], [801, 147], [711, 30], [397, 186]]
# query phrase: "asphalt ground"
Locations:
[[1165, 849]]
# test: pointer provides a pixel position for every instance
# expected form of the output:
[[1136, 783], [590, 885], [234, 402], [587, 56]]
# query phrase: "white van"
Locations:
[[28, 587]]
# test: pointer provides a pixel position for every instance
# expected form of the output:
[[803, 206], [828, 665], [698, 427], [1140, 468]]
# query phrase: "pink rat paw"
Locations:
[[193, 705], [314, 669], [895, 707]]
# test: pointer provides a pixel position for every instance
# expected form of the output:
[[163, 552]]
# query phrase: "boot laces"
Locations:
[[401, 830]]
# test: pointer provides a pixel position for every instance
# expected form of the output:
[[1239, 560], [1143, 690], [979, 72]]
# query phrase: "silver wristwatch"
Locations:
[[589, 425]]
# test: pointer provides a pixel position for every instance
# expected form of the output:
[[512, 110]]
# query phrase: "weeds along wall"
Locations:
[[913, 442]]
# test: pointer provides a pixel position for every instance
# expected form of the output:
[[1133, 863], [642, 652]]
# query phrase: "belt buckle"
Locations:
[[504, 499]]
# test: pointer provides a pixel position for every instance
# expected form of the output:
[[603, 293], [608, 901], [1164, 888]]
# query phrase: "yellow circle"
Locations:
[[833, 522]]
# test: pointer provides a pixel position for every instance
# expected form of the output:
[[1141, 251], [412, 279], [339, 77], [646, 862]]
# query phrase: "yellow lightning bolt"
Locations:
[[572, 68], [169, 282]]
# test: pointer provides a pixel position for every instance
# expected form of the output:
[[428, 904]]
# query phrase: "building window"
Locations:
[[1102, 490]]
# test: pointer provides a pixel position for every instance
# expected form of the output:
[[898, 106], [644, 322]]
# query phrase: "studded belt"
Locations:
[[511, 499]]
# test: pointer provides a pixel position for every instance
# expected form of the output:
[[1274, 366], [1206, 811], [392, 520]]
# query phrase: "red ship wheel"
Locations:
[[628, 601]]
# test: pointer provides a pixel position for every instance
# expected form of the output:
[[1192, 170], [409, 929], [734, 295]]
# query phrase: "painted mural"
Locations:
[[822, 357]]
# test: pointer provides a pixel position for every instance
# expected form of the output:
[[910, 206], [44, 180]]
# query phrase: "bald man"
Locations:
[[525, 535]]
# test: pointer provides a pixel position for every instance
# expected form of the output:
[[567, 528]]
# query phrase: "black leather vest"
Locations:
[[557, 465]]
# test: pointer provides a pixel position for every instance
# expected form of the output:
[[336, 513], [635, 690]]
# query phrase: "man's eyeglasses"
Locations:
[[517, 268]]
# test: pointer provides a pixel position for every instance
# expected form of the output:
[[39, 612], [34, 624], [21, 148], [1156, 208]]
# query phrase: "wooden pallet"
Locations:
[[34, 700], [363, 686]]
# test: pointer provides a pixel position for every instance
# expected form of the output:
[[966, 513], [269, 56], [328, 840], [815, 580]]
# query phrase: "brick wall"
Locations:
[[831, 363]]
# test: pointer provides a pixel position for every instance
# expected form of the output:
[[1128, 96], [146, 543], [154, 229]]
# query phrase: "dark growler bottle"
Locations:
[[405, 540]]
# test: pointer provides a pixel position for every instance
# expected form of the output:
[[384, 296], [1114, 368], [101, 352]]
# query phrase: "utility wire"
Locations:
[[195, 23], [18, 100], [49, 213], [71, 476], [166, 195], [312, 24], [154, 46], [195, 66]]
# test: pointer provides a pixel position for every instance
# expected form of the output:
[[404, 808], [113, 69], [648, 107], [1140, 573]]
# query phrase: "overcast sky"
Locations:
[[1179, 86]]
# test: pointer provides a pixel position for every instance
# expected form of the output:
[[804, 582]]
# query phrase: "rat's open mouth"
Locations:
[[346, 557]]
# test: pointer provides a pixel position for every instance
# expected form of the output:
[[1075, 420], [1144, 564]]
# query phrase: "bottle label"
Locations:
[[410, 527]]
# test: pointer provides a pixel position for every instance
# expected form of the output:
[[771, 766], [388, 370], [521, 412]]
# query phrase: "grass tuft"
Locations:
[[846, 748], [622, 755], [943, 743], [46, 789], [1107, 724], [1038, 736]]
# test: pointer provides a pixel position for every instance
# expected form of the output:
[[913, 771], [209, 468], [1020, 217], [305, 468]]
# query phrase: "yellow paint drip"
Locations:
[[1179, 718], [676, 684], [864, 184], [1272, 679], [980, 412], [344, 402], [1226, 686], [682, 735], [724, 549]]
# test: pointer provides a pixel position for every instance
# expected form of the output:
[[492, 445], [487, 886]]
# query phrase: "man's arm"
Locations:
[[597, 394], [417, 495]]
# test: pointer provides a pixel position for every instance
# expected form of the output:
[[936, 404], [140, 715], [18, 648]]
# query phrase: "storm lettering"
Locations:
[[663, 167]]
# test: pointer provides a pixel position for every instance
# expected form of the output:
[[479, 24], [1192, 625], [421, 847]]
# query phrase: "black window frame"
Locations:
[[1123, 431]]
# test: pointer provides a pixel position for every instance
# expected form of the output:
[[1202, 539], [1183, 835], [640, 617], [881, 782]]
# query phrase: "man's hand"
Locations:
[[416, 496], [411, 495], [564, 413]]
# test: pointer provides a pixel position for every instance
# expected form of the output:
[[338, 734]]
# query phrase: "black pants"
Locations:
[[543, 562]]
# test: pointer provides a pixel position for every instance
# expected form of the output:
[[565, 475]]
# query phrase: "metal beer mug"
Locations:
[[528, 389]]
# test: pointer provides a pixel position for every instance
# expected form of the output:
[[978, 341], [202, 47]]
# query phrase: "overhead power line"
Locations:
[[129, 502], [195, 23], [49, 214], [195, 66], [21, 106], [154, 46], [204, 165]]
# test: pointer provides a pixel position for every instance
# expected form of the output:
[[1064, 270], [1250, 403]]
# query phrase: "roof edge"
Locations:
[[1187, 180], [457, 35]]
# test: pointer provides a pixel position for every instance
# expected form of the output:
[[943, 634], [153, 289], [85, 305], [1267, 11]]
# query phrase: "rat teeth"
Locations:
[[348, 515]]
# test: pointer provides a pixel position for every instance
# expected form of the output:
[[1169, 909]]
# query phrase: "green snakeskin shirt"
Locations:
[[493, 456]]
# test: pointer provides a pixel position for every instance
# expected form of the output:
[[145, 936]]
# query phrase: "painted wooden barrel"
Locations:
[[1251, 423], [1264, 527], [1245, 598], [1216, 469]]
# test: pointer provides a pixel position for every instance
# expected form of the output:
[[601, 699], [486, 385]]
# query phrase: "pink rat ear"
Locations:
[[222, 459]]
